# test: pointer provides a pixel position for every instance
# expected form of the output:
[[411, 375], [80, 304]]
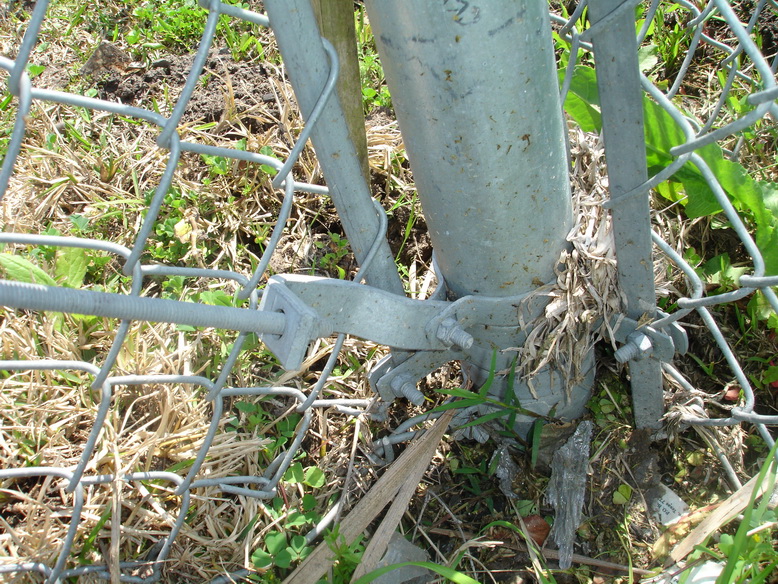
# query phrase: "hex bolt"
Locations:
[[638, 345], [451, 332], [405, 386]]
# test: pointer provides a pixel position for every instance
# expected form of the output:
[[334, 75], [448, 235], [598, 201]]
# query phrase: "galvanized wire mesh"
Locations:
[[744, 74], [132, 306], [742, 63]]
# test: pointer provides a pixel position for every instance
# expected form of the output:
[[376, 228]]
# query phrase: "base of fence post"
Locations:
[[476, 95], [548, 393]]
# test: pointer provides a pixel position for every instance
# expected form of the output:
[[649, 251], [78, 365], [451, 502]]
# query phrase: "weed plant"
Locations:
[[375, 93]]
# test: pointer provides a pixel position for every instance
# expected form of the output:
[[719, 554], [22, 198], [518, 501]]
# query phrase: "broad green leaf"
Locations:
[[662, 133], [215, 298], [767, 242], [526, 507], [268, 151], [275, 541], [23, 270], [720, 271], [295, 519], [70, 266], [670, 189], [647, 57], [732, 176], [770, 196], [283, 559], [308, 502], [725, 543], [298, 544], [35, 70], [314, 477], [758, 200], [80, 222], [582, 102], [622, 495], [771, 374], [584, 84], [261, 559], [767, 233], [294, 474], [245, 407], [701, 201]]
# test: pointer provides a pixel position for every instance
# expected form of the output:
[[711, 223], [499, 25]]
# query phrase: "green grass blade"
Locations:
[[486, 417], [455, 405], [763, 574], [448, 573], [489, 380], [90, 539], [537, 431], [461, 393], [739, 545]]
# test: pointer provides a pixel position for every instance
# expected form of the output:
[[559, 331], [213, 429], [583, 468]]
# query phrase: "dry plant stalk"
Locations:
[[406, 470]]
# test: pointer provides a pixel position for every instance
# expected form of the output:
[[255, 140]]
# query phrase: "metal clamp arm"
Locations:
[[316, 307]]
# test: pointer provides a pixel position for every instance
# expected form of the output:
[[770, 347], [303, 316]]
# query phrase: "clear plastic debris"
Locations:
[[567, 488], [506, 470]]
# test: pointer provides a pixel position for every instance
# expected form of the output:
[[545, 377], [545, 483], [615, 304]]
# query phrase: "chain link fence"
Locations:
[[696, 151], [710, 138]]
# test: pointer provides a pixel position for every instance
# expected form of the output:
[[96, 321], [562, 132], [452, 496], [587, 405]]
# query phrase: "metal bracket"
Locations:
[[317, 307], [391, 379], [301, 327], [365, 312], [385, 318], [641, 341]]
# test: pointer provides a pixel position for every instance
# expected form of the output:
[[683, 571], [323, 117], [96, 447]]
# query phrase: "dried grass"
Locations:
[[46, 416], [585, 296], [45, 422]]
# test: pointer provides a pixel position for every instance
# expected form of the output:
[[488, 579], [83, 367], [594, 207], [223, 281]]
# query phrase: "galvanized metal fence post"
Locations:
[[621, 100], [475, 92]]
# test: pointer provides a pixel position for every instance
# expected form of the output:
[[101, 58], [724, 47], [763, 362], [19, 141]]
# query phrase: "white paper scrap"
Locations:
[[665, 506]]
